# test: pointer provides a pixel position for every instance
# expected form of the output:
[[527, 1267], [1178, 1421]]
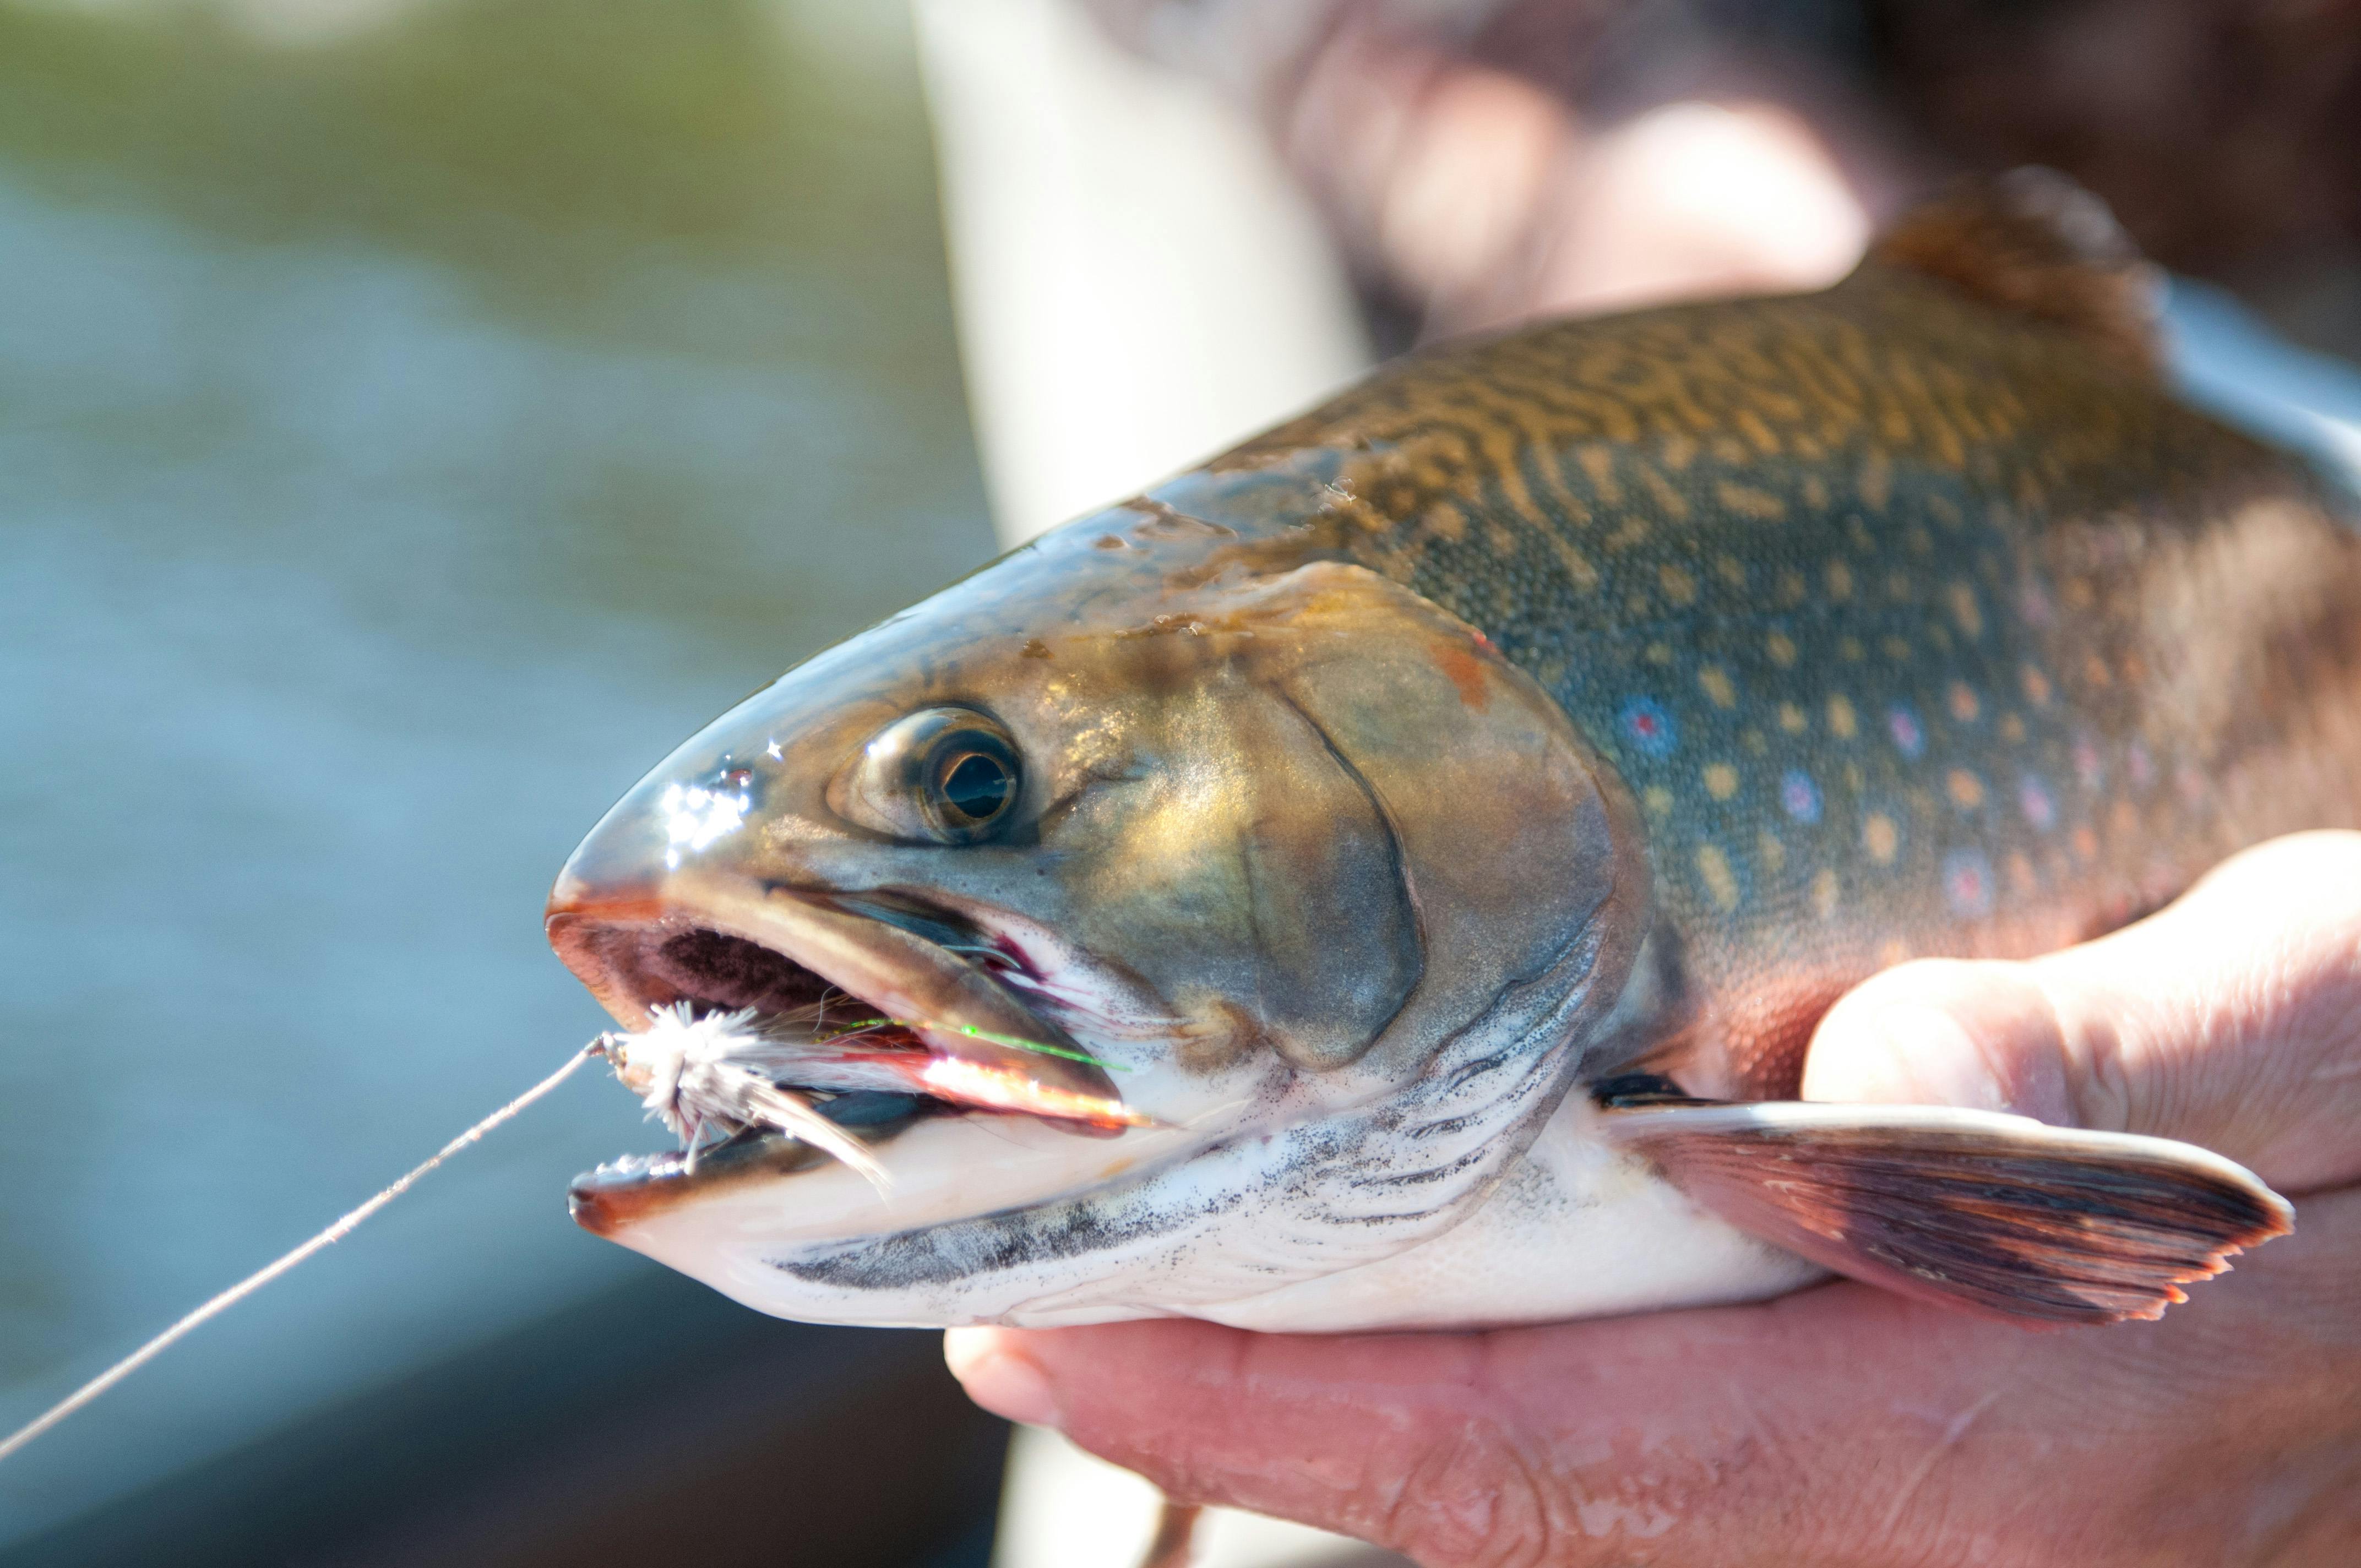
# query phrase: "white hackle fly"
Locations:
[[719, 1073]]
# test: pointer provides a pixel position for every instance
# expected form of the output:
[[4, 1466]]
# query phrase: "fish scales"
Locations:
[[1418, 843], [1916, 629]]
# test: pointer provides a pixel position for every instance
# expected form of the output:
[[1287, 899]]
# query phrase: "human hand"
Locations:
[[1842, 1425]]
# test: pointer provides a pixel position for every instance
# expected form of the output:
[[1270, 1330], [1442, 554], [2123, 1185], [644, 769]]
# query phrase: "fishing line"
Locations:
[[692, 1072], [264, 1276]]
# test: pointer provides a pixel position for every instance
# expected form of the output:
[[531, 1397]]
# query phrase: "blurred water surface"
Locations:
[[413, 420]]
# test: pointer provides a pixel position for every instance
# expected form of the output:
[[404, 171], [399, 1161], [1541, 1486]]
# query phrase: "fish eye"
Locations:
[[975, 787], [950, 775]]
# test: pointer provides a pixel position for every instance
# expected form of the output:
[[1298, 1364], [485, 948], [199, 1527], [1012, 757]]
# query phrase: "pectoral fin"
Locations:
[[1993, 1213]]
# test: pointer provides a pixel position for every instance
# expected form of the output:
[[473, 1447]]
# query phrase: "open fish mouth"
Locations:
[[879, 1011]]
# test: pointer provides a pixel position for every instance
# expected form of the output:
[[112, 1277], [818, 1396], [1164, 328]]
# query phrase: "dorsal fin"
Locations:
[[2034, 243]]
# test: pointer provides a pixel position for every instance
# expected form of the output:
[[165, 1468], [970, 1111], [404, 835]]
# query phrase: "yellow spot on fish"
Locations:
[[1770, 852], [1750, 425], [1840, 581], [1881, 838], [1815, 489], [1825, 893], [1678, 450], [1896, 648], [1720, 780], [1502, 539], [1876, 481], [1895, 952], [1793, 590], [1791, 718], [1660, 654], [1967, 791], [2086, 843], [1577, 565], [1717, 683], [1670, 501], [1965, 609], [1446, 521], [1678, 586], [1732, 571], [1757, 744], [2037, 687], [2095, 672], [2012, 729], [1897, 587], [1919, 542], [1633, 531], [1718, 880], [2020, 874], [1748, 501], [1842, 721], [1658, 800], [1782, 649], [1599, 462]]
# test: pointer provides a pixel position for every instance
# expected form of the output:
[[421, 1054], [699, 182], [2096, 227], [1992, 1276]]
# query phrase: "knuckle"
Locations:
[[1473, 1498]]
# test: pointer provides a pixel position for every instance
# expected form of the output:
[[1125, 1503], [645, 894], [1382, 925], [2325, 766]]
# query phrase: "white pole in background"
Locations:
[[1139, 286]]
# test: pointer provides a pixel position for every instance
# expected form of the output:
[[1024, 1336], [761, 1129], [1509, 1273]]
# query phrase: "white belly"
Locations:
[[1575, 1229]]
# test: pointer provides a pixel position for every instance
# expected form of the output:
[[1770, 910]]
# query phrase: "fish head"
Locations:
[[1170, 927]]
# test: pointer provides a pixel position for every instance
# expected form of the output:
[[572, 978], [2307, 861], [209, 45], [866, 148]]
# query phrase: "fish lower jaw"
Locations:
[[757, 1209], [941, 1162]]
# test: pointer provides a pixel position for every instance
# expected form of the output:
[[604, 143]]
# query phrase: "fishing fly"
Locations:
[[718, 1073]]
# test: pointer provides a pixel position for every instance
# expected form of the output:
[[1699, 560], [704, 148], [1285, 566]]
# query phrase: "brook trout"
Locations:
[[1413, 849]]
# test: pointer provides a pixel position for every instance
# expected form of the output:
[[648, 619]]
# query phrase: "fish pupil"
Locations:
[[977, 786]]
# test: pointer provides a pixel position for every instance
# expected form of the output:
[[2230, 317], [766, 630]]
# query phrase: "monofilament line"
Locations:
[[263, 1277]]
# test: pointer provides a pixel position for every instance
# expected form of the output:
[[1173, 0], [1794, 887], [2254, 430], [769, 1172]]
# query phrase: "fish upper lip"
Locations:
[[649, 945]]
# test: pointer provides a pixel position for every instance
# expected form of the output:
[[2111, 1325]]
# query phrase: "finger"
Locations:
[[2232, 1020], [1840, 1426]]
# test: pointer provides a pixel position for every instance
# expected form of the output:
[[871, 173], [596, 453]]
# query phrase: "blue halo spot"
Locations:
[[2034, 799], [2090, 767], [1968, 882], [1909, 735], [1646, 725], [1799, 796]]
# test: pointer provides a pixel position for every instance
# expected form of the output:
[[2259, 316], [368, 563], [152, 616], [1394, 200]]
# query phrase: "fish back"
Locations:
[[1914, 623]]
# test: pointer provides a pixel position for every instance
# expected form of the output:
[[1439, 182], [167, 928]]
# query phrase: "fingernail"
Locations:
[[1002, 1379], [1936, 1061]]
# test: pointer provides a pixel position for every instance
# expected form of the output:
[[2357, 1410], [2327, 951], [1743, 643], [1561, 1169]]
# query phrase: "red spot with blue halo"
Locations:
[[1646, 725], [1968, 882]]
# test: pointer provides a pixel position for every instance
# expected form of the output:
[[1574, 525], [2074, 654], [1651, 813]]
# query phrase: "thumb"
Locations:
[[2232, 1020]]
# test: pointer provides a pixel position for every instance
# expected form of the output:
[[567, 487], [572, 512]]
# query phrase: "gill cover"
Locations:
[[1506, 845]]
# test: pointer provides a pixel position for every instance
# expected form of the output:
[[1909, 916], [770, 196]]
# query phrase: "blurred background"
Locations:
[[415, 418], [416, 415]]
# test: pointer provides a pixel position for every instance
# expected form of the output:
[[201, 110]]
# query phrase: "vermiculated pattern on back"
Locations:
[[1914, 627]]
